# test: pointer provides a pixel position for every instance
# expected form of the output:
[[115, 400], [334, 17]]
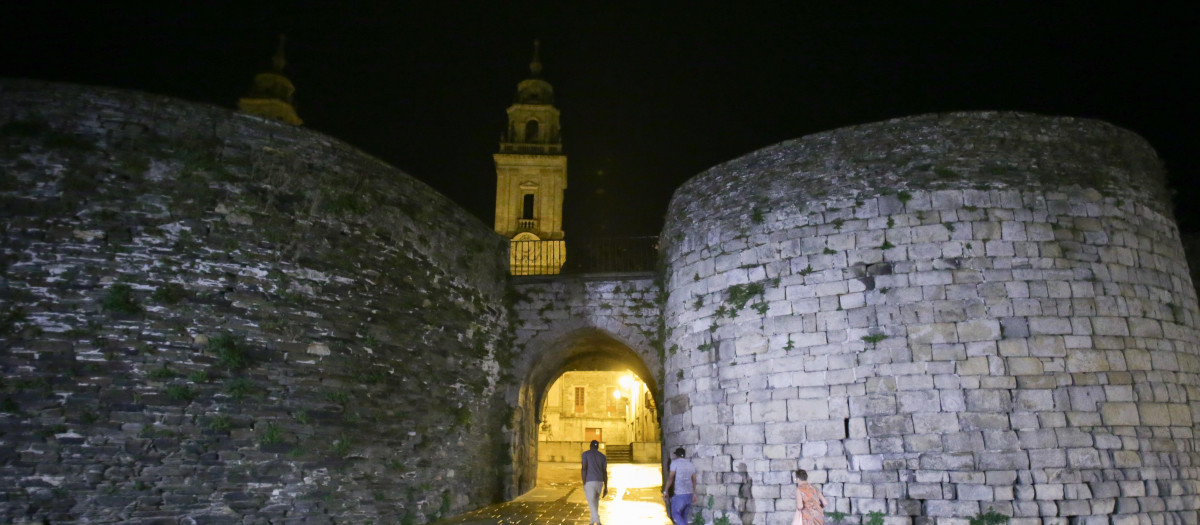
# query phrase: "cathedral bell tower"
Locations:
[[531, 174]]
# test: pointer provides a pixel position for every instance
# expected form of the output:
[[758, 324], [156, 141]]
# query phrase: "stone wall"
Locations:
[[937, 316], [206, 317]]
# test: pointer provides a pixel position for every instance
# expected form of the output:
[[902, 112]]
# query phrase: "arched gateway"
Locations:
[[573, 324]]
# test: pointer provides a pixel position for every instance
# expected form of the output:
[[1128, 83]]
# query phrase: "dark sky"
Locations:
[[650, 95]]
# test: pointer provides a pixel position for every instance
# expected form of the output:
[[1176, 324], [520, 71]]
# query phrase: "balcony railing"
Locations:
[[530, 148], [581, 256], [526, 225]]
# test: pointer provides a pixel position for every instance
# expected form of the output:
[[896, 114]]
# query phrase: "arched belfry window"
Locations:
[[527, 207], [531, 130]]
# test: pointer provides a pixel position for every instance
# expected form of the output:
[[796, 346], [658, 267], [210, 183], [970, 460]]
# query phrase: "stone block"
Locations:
[[1048, 491], [1074, 507], [918, 401], [933, 333], [951, 509], [1049, 325], [967, 492], [807, 409], [963, 442], [825, 430], [1083, 458], [1037, 439], [978, 330], [714, 433], [1010, 460], [1143, 327], [990, 400], [1115, 326], [947, 461], [785, 433], [935, 423], [1155, 414], [922, 443], [1034, 400], [747, 434], [1082, 360], [1047, 346], [929, 491], [873, 405], [1119, 414], [704, 415], [973, 366], [898, 425], [1000, 440], [768, 411]]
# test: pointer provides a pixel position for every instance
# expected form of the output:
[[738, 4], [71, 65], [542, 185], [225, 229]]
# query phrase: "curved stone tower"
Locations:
[[936, 316], [211, 317]]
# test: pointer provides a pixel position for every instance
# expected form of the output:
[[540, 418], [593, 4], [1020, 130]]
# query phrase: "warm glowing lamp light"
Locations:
[[627, 382], [617, 394]]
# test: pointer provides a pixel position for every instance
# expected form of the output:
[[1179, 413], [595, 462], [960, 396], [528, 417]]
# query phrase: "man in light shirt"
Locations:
[[683, 478]]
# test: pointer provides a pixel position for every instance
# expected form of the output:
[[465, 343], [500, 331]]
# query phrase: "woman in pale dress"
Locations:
[[810, 503]]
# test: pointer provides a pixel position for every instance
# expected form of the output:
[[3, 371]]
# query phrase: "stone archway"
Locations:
[[575, 325], [586, 349]]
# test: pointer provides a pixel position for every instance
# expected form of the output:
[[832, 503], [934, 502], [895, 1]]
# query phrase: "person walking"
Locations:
[[683, 478], [810, 503], [595, 478]]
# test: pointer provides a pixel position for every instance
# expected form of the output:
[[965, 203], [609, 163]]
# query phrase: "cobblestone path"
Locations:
[[634, 498]]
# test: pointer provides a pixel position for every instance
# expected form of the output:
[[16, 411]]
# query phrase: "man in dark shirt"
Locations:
[[595, 477]]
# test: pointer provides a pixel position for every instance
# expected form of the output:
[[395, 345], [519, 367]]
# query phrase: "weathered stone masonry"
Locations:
[[212, 318], [938, 316]]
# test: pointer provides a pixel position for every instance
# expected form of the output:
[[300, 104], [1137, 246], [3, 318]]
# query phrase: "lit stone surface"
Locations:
[[964, 311]]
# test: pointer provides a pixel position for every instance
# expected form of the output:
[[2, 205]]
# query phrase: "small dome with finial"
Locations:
[[271, 93], [534, 90]]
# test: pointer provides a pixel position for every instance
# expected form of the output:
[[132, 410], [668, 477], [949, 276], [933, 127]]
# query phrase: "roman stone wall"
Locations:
[[936, 316], [207, 317]]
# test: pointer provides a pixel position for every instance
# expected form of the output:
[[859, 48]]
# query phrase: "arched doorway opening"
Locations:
[[619, 404]]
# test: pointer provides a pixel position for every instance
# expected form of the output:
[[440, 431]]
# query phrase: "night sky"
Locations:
[[650, 96]]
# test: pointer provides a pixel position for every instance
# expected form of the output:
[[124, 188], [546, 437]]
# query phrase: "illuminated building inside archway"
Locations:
[[612, 407]]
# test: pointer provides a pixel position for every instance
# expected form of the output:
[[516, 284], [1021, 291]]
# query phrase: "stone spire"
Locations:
[[271, 93], [535, 66], [278, 61]]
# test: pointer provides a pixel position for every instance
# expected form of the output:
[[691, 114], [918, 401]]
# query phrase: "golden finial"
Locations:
[[278, 61], [536, 65]]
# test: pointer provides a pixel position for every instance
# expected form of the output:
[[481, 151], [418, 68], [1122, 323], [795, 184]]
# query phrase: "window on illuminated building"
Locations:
[[527, 207]]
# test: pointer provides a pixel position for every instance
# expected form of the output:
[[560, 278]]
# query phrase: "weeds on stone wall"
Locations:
[[740, 294], [170, 293], [220, 423], [872, 339], [230, 351], [270, 435], [180, 393], [239, 388], [874, 517], [11, 319], [991, 517], [119, 299]]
